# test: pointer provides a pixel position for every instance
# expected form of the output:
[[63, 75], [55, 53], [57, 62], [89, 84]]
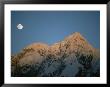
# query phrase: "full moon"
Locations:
[[20, 26]]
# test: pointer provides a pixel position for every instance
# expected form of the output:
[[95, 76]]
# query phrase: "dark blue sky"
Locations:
[[53, 26]]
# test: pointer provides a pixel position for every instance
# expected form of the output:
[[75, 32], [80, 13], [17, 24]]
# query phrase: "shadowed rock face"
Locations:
[[72, 57]]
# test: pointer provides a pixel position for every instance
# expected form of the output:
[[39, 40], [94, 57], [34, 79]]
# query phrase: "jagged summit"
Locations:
[[75, 36]]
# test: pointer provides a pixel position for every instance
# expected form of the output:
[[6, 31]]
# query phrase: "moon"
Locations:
[[19, 26]]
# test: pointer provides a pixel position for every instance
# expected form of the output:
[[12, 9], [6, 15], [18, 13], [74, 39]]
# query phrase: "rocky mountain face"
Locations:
[[72, 57]]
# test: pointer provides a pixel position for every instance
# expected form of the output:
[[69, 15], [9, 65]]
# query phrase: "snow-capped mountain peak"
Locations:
[[69, 57]]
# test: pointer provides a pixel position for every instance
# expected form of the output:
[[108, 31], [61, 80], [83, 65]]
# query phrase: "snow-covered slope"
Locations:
[[73, 56]]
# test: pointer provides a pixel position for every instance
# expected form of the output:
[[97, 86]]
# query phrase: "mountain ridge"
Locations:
[[55, 58]]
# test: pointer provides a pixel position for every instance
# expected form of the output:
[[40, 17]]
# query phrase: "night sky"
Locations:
[[53, 26]]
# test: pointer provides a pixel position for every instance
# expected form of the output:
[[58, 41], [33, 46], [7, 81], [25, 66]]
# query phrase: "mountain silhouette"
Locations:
[[72, 57]]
